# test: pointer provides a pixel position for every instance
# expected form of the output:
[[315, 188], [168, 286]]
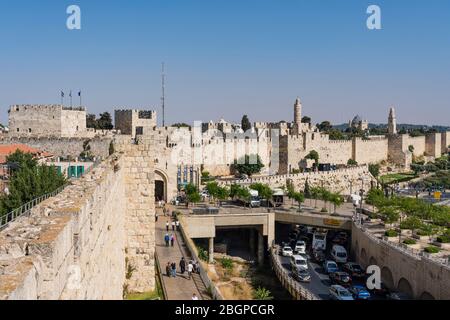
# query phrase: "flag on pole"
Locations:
[[70, 94], [79, 93], [62, 94]]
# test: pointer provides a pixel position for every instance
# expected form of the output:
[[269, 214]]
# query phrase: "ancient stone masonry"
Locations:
[[94, 240], [138, 167], [135, 122], [31, 120], [345, 181], [63, 147]]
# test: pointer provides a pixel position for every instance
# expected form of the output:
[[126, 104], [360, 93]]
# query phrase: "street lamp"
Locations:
[[361, 194]]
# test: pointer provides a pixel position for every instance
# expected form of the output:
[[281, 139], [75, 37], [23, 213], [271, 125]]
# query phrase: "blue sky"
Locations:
[[226, 58]]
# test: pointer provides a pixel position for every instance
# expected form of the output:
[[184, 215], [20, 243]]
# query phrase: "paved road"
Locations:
[[320, 282], [179, 288]]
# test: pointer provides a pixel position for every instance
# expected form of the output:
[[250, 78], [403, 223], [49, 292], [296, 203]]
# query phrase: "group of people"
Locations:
[[175, 225], [190, 267], [169, 239]]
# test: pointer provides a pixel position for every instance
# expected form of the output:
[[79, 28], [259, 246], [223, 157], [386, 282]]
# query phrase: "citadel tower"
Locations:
[[392, 122], [298, 113]]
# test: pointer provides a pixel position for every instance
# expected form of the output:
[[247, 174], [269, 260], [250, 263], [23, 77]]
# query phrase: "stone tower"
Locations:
[[392, 122], [298, 113]]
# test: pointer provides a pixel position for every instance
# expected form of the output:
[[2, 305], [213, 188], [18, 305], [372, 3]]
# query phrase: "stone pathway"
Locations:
[[179, 288]]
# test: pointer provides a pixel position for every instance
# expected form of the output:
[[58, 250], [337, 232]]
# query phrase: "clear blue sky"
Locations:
[[230, 57]]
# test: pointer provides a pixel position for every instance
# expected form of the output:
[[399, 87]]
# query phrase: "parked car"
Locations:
[[319, 256], [287, 251], [383, 291], [360, 292], [339, 254], [354, 269], [300, 247], [340, 277], [340, 238], [398, 296], [338, 292], [301, 275], [298, 262], [330, 266]]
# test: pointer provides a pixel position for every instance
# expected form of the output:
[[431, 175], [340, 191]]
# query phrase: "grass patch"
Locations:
[[432, 249], [397, 177], [152, 295]]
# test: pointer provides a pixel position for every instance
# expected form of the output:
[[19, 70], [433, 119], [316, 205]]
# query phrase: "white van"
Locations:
[[339, 254], [298, 263], [254, 199]]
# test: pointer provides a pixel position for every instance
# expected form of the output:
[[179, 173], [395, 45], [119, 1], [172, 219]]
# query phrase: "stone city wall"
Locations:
[[62, 147], [94, 240], [71, 246], [370, 151], [345, 181], [418, 276]]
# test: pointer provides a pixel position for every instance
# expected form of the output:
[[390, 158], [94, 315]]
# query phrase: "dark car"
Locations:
[[319, 256], [398, 296], [383, 291], [354, 269], [340, 238], [341, 278], [301, 275]]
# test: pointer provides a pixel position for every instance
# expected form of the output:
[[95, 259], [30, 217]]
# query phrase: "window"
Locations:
[[29, 130], [18, 129]]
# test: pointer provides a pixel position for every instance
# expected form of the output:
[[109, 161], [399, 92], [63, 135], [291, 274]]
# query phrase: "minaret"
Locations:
[[392, 122], [298, 113]]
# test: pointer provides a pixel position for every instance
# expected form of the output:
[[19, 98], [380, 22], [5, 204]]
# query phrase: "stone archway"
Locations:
[[160, 185], [387, 278], [405, 287], [363, 257], [426, 296]]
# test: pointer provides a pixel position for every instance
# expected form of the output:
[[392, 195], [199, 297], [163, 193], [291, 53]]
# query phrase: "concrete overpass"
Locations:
[[314, 219], [261, 225]]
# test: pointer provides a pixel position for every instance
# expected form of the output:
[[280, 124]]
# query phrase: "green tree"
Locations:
[[192, 194], [223, 193], [29, 180], [91, 121], [247, 165], [306, 119], [352, 162], [337, 200], [245, 123], [300, 198], [313, 155], [374, 169], [325, 126], [264, 191], [105, 121]]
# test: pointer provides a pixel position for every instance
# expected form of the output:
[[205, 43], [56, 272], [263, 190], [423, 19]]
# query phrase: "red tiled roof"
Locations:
[[6, 150]]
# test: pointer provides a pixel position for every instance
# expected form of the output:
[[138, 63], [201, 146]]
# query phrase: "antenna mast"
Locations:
[[163, 98]]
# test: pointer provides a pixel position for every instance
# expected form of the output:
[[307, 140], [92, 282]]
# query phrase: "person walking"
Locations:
[[182, 265], [174, 270], [167, 226], [194, 297], [168, 269], [190, 268], [156, 217], [172, 239], [173, 225], [177, 225], [167, 239]]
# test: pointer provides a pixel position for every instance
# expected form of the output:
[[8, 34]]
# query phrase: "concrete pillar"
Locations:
[[252, 241], [211, 250], [260, 249]]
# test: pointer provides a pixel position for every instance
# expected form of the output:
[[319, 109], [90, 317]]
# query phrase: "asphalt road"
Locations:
[[320, 282]]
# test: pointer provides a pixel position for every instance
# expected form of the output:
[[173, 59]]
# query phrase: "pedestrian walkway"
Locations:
[[179, 288]]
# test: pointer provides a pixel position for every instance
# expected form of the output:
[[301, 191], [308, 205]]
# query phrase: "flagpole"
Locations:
[[71, 99], [79, 93]]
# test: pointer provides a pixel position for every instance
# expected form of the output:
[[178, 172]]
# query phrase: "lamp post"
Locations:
[[361, 194]]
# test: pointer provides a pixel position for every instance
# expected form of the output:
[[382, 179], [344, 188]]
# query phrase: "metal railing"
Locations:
[[215, 293], [295, 288], [413, 253], [26, 208]]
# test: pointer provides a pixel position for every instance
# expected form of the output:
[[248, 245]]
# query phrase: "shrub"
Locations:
[[391, 233], [262, 294], [443, 239], [431, 249], [202, 254], [227, 263], [409, 241]]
